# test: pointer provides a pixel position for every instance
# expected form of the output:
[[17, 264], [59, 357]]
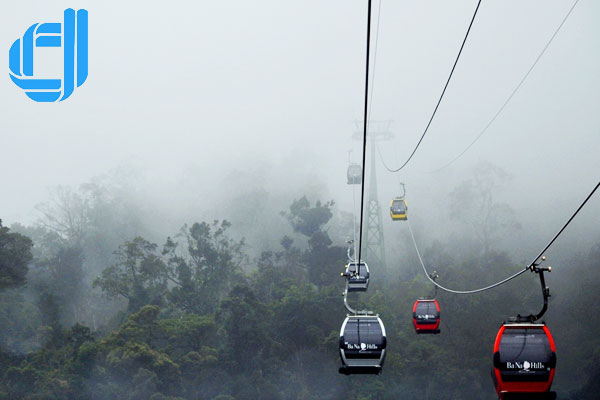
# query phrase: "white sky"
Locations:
[[220, 85]]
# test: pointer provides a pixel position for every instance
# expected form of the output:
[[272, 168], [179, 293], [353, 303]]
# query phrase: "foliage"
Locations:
[[197, 325], [210, 265], [140, 275], [309, 220], [15, 255], [322, 258]]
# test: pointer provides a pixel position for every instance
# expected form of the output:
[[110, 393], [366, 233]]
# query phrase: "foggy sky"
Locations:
[[190, 91]]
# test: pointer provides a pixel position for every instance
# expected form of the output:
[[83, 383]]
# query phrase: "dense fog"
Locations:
[[176, 229]]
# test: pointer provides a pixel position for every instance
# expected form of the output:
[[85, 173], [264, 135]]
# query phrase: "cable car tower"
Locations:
[[377, 131]]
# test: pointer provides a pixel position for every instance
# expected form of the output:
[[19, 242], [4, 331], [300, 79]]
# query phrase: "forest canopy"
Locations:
[[194, 316]]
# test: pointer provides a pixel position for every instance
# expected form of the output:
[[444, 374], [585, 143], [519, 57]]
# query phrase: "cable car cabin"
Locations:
[[354, 174], [524, 360], [362, 345], [426, 316], [398, 209], [358, 276]]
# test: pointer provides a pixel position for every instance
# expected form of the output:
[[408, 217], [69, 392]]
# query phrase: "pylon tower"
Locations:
[[375, 242]]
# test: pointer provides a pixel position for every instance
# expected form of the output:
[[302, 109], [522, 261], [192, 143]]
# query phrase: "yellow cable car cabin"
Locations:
[[398, 209]]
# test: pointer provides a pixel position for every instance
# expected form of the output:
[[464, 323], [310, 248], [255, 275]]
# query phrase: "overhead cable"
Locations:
[[364, 154], [513, 92], [439, 100], [527, 268]]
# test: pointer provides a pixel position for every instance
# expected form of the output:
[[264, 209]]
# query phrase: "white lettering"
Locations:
[[361, 346], [525, 365]]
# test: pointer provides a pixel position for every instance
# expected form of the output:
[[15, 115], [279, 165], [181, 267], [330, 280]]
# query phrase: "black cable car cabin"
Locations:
[[398, 209], [524, 360], [362, 345], [358, 276], [354, 174], [426, 316]]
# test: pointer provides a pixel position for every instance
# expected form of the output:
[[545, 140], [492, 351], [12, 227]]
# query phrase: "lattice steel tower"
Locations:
[[375, 244]]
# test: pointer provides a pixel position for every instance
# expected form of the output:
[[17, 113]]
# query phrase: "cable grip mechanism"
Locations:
[[536, 268]]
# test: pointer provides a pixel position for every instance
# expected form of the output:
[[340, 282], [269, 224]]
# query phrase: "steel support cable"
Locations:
[[375, 57], [513, 92], [354, 244], [364, 155], [439, 100], [527, 268], [564, 226], [370, 106], [458, 291]]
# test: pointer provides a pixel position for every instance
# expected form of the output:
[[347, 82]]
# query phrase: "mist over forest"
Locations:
[[248, 291], [177, 228]]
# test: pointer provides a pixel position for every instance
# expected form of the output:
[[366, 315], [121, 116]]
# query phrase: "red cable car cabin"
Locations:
[[426, 316], [524, 359]]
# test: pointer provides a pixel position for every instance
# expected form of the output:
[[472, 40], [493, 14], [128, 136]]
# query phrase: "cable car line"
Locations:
[[439, 100], [364, 152], [366, 115], [513, 92], [353, 220], [353, 268], [375, 57], [361, 353], [458, 291], [533, 266], [533, 263], [364, 352]]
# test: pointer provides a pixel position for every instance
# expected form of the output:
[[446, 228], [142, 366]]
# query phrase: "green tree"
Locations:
[[309, 220], [209, 267], [140, 275], [323, 261], [20, 381], [243, 316], [15, 255], [134, 354]]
